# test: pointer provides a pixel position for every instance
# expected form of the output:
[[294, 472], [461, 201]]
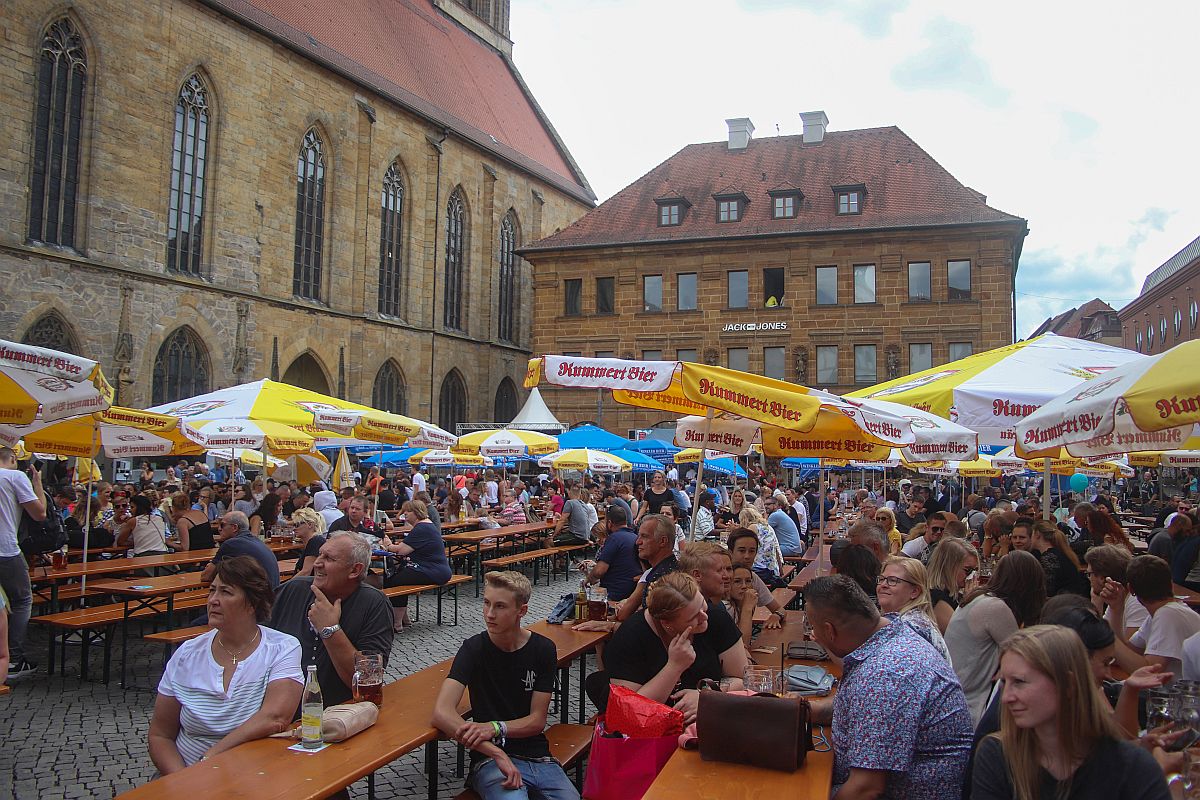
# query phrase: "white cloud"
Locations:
[[1080, 122]]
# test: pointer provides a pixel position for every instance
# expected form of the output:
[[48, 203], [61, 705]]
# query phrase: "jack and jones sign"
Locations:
[[752, 327]]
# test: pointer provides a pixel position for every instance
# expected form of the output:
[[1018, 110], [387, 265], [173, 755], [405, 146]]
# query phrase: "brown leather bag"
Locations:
[[761, 730]]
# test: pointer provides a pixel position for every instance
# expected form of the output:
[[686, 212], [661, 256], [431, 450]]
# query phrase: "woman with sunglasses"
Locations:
[[887, 520], [949, 567], [902, 590]]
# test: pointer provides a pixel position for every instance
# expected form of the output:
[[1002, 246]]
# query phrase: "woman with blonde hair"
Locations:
[[887, 520], [308, 527], [902, 590], [679, 640], [770, 558], [1057, 734], [952, 561]]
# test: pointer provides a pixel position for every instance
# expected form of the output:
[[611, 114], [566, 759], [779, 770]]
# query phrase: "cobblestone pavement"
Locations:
[[65, 738]]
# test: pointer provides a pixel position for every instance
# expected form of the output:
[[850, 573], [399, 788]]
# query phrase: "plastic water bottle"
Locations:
[[312, 711]]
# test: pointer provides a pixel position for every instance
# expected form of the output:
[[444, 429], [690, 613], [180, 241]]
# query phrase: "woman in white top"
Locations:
[[145, 533], [1013, 598], [239, 682]]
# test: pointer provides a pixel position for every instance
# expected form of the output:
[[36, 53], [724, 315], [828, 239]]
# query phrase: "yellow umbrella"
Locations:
[[448, 458], [586, 460], [1149, 404], [48, 385], [343, 474], [87, 468], [503, 443], [371, 425], [304, 468], [119, 432]]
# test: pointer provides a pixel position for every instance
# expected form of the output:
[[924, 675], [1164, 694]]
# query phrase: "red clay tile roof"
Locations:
[[905, 188], [1074, 322], [411, 53]]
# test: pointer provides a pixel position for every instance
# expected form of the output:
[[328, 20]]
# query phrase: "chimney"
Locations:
[[740, 130], [815, 123]]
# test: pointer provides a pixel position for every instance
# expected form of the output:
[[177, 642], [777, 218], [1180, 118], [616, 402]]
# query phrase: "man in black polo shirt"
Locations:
[[353, 519], [510, 672], [334, 613]]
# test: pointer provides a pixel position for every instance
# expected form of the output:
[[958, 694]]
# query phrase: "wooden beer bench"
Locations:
[[536, 557], [568, 746]]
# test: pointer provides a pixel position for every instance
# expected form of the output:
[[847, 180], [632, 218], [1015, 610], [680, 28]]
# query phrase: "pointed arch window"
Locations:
[[507, 312], [181, 368], [52, 331], [452, 402], [57, 131], [456, 222], [189, 158], [391, 243], [310, 218], [506, 402], [390, 392]]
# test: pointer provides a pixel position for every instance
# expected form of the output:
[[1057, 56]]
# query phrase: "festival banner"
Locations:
[[772, 402], [606, 373]]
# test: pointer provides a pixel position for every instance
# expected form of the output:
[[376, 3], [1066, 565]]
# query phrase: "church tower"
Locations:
[[487, 19]]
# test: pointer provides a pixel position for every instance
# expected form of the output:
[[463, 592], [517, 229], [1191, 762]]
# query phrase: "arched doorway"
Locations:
[[452, 402], [506, 402], [306, 373]]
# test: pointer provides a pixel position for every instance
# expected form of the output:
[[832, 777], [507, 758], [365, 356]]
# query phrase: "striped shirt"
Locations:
[[209, 712]]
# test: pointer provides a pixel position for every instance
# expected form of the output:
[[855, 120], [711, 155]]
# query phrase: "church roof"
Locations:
[[904, 188], [409, 52]]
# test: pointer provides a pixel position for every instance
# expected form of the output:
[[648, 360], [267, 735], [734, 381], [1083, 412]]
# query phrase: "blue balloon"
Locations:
[[1079, 482]]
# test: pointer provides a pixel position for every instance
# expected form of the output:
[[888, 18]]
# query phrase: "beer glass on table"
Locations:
[[368, 678], [597, 603]]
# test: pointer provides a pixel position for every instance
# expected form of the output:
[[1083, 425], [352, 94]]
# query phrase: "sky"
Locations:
[[1081, 118]]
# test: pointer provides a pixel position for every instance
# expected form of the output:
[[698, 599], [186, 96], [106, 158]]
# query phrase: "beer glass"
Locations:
[[597, 603], [368, 678]]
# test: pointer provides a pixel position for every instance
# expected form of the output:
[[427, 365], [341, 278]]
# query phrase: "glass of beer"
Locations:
[[368, 678], [597, 603], [58, 559]]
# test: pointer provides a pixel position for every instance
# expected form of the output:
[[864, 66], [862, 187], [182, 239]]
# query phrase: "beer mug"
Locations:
[[762, 680], [368, 678], [597, 603]]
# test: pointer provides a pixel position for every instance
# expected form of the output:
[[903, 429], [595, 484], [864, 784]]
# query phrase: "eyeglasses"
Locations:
[[892, 581], [937, 530], [120, 505]]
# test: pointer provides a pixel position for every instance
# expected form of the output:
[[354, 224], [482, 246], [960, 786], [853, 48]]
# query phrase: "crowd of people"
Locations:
[[977, 640]]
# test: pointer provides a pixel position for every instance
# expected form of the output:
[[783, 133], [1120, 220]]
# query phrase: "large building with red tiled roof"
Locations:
[[1167, 310], [1095, 321], [831, 258], [198, 193]]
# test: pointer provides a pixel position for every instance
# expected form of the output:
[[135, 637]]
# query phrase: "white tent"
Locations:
[[536, 416]]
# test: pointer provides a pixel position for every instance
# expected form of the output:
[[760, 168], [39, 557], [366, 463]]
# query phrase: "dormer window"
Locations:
[[671, 211], [850, 198], [785, 203], [731, 207]]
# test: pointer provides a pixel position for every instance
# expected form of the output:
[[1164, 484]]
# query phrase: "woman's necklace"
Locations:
[[237, 656]]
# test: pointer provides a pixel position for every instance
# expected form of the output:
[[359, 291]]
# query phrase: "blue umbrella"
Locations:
[[592, 438], [655, 448], [394, 458], [722, 466], [640, 461]]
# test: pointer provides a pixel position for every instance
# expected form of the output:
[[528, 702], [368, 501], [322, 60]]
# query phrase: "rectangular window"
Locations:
[[773, 287], [960, 350], [738, 358], [604, 295], [864, 283], [687, 291], [652, 293], [573, 354], [652, 355], [773, 363], [848, 202], [784, 206], [919, 289], [827, 365], [606, 354], [920, 357], [865, 367], [669, 214], [739, 289], [573, 297], [827, 286], [958, 278], [687, 355], [729, 210]]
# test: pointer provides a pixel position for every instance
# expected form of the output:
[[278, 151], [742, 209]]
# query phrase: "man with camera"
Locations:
[[19, 491]]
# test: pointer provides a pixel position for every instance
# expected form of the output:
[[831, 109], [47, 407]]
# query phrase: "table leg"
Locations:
[[478, 566], [582, 676], [124, 641], [564, 693], [431, 767], [54, 597]]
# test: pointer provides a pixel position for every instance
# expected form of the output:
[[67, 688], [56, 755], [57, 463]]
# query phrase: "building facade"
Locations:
[[199, 193], [834, 260], [1167, 310], [1094, 321]]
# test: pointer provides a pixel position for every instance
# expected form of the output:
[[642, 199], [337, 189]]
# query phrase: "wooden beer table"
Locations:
[[499, 535], [571, 644]]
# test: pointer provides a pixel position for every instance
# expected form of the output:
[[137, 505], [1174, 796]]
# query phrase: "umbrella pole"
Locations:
[[700, 474], [1046, 489], [88, 512]]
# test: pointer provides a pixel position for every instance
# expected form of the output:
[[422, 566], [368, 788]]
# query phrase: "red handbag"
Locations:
[[621, 768]]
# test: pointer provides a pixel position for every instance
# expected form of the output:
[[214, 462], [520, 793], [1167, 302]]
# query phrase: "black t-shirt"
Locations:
[[636, 653], [247, 544], [366, 620], [502, 685], [343, 524], [311, 549], [1113, 770], [942, 596], [655, 500], [386, 500]]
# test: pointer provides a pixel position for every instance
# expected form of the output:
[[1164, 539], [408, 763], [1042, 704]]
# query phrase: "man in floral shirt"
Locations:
[[901, 728]]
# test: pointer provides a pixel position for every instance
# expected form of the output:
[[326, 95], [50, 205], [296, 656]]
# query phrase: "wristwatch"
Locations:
[[782, 615], [330, 631]]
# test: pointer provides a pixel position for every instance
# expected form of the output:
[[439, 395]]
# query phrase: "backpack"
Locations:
[[35, 538]]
